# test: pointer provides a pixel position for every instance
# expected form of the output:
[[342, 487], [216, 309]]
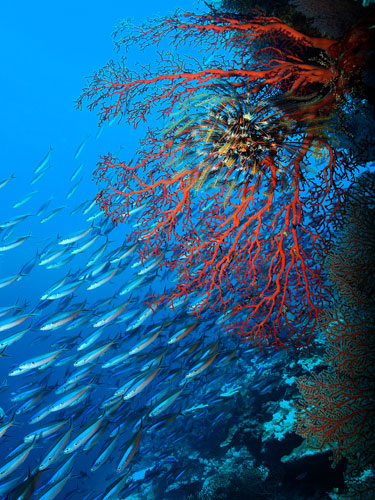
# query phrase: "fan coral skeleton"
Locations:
[[225, 187]]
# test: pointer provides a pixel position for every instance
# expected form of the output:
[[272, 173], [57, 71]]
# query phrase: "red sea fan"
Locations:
[[225, 183], [337, 409]]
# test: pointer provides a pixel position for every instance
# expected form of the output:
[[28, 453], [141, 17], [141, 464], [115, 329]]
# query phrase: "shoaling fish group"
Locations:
[[93, 374]]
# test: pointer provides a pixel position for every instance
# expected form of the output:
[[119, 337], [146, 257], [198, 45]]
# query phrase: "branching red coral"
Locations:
[[337, 407], [225, 181], [262, 49]]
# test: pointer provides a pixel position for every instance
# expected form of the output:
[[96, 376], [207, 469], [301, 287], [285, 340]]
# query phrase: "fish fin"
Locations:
[[2, 353]]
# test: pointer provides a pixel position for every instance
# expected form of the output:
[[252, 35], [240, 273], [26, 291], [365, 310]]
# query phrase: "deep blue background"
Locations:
[[48, 52]]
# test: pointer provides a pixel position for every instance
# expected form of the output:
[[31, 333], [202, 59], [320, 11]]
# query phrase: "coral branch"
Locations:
[[337, 407], [225, 188]]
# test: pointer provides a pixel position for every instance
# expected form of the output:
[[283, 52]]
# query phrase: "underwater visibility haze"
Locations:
[[187, 245]]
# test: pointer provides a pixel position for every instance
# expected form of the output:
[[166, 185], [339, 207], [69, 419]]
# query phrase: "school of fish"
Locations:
[[100, 391]]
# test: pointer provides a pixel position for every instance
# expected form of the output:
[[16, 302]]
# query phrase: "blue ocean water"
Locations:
[[50, 53], [193, 448]]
